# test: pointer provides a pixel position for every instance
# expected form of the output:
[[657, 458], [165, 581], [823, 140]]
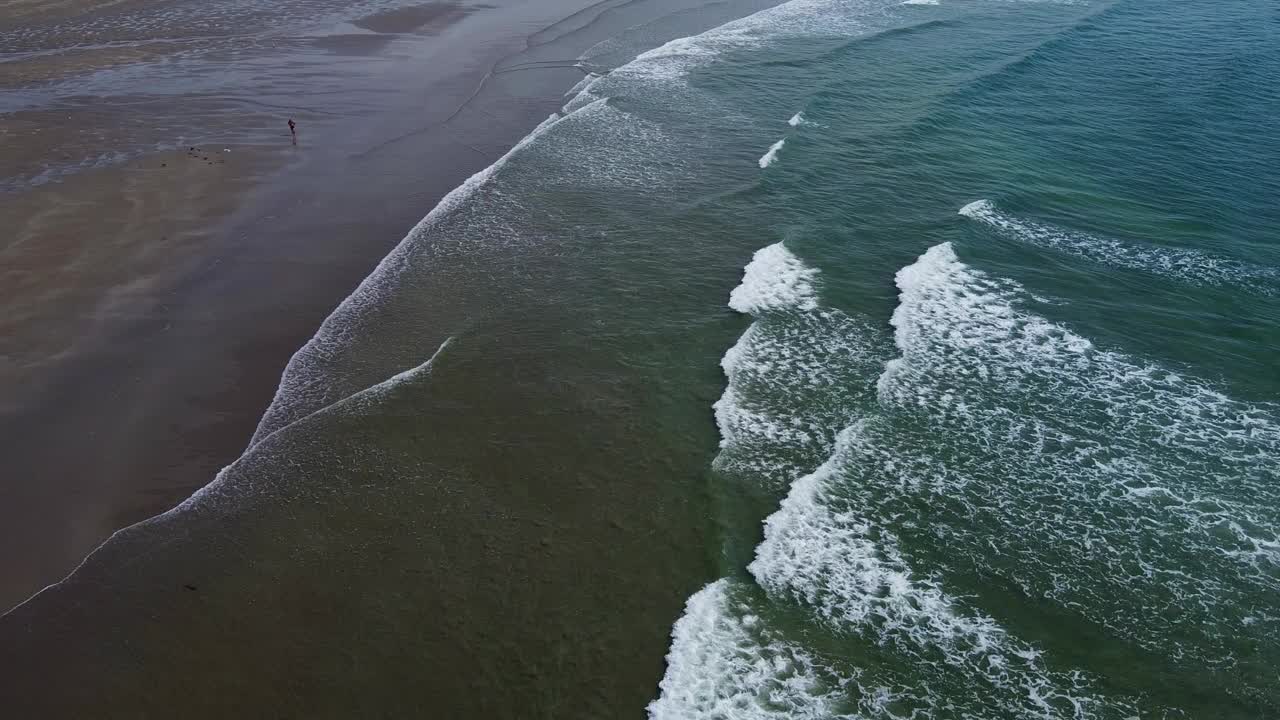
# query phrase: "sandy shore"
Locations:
[[148, 306], [88, 274], [106, 247]]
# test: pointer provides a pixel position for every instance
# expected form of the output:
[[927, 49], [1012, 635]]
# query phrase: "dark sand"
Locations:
[[88, 280], [106, 247], [415, 18]]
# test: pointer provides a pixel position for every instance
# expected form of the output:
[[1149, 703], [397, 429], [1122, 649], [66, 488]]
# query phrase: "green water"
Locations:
[[1016, 462], [1057, 497]]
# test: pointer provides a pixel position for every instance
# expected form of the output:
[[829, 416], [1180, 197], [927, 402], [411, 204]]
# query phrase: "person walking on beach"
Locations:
[[293, 131]]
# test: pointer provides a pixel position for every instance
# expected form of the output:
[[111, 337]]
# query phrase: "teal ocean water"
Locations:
[[939, 337], [1006, 403]]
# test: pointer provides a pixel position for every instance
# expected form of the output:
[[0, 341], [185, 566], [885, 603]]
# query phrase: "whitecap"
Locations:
[[1140, 497], [772, 155], [775, 279], [1182, 264], [724, 663]]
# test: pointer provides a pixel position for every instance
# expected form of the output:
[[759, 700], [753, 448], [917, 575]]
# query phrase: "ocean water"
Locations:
[[930, 348], [1006, 405]]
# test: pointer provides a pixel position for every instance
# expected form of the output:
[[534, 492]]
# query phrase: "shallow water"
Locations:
[[1000, 430]]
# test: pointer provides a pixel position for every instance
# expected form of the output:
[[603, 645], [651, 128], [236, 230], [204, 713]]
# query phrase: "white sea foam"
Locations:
[[846, 566], [775, 279], [796, 376], [772, 155], [1138, 498], [595, 126], [1182, 264], [1142, 498], [789, 391], [827, 18], [793, 383], [852, 573], [584, 97], [796, 119], [724, 663], [728, 662], [788, 375]]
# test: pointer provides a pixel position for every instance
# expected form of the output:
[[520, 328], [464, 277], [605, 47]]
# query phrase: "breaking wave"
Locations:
[[1191, 266], [996, 448], [1143, 499], [772, 155]]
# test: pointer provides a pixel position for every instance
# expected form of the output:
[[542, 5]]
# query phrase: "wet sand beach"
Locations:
[[139, 269], [89, 279], [102, 246], [123, 391]]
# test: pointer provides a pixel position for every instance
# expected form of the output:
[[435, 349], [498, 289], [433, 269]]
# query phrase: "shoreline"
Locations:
[[416, 588], [168, 388]]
